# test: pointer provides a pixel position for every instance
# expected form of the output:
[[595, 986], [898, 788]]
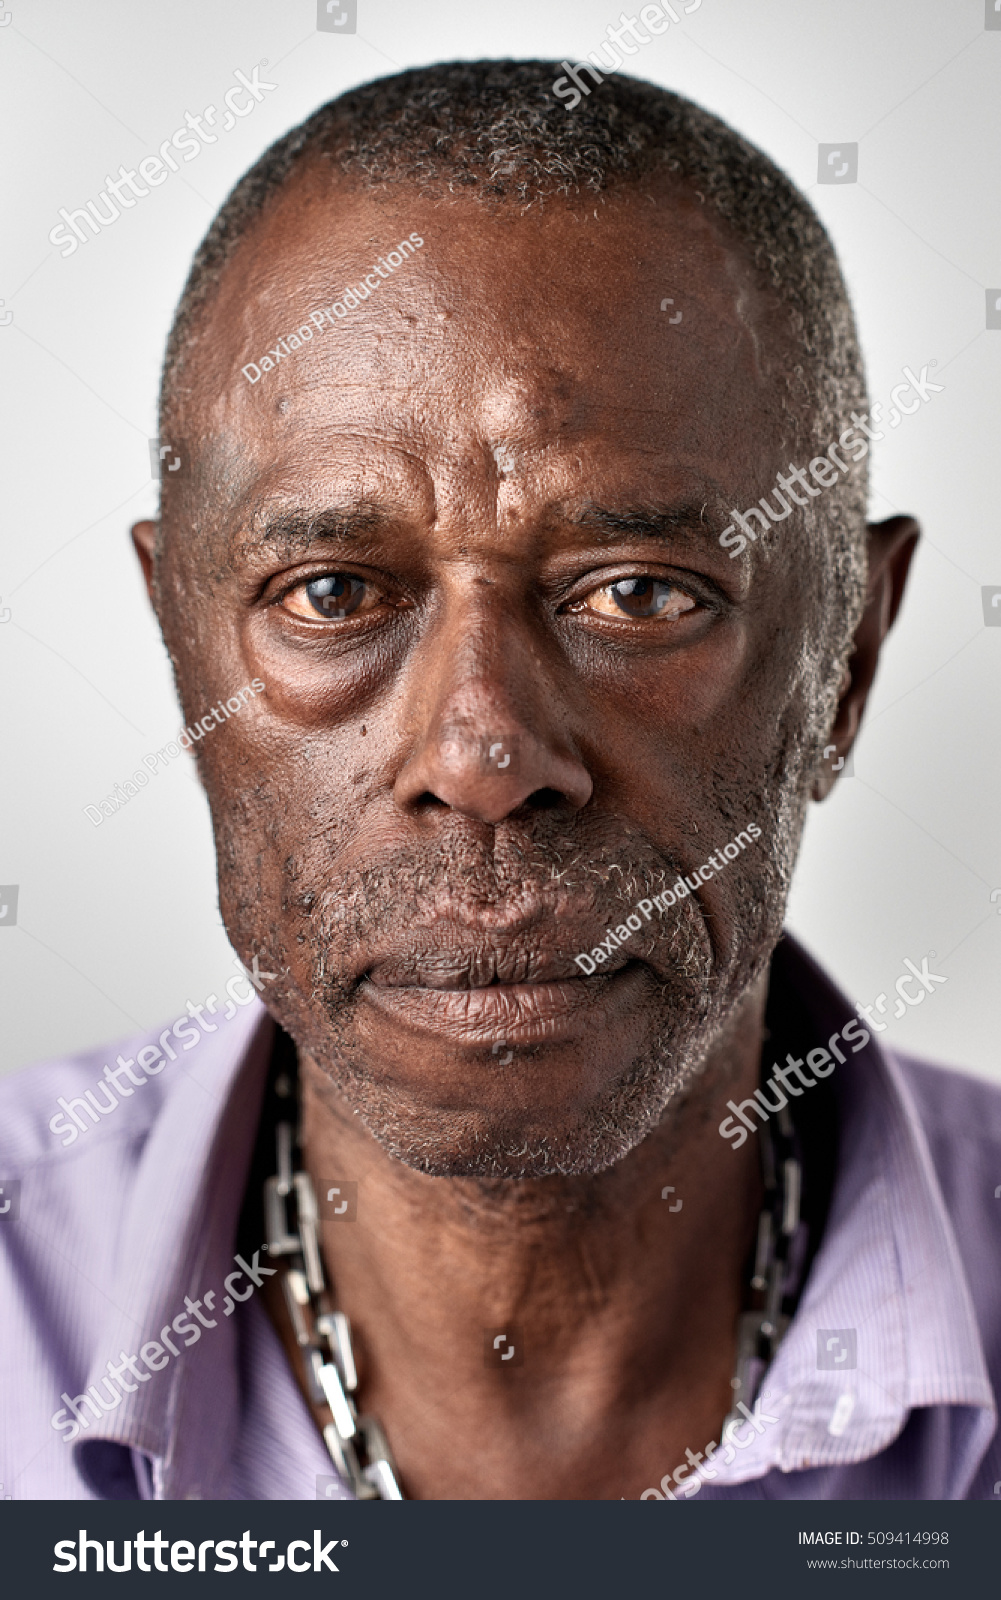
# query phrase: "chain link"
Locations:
[[761, 1329], [357, 1445]]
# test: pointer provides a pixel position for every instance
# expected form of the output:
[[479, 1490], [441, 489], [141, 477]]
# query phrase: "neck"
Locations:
[[621, 1310]]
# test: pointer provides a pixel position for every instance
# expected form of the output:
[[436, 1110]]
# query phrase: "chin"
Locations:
[[456, 1143]]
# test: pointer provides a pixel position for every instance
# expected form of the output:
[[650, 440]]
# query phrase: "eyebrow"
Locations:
[[298, 529], [688, 521]]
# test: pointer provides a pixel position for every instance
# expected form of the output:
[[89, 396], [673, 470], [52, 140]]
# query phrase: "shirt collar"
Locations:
[[888, 1270]]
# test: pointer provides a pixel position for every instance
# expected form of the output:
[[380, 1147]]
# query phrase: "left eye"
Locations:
[[333, 597], [641, 598]]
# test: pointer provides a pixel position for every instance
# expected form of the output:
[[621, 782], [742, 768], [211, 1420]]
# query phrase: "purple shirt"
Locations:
[[118, 1247]]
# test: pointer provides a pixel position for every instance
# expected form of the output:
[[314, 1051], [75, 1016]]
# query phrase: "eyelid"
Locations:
[[282, 585], [597, 605], [700, 592], [369, 604]]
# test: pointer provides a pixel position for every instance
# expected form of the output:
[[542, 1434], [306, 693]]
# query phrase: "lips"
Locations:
[[469, 969], [520, 1013], [479, 991]]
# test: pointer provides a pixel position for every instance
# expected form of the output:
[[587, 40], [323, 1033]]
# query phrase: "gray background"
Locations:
[[118, 925]]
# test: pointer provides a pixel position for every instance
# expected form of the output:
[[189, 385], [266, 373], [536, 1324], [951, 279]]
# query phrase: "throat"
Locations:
[[542, 1338]]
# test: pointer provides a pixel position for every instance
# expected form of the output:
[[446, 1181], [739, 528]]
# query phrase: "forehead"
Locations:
[[626, 335]]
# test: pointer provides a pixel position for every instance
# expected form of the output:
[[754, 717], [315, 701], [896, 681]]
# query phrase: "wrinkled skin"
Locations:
[[506, 429]]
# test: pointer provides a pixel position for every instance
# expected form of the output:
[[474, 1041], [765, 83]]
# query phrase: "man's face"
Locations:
[[468, 539]]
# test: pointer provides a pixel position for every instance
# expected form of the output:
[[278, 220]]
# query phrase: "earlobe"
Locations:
[[144, 537]]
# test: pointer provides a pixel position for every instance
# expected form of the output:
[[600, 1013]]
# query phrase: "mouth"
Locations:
[[489, 967], [481, 998]]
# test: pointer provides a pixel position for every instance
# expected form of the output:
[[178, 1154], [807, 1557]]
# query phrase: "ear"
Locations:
[[891, 546], [144, 536]]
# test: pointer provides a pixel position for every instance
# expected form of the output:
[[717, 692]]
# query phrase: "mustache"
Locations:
[[466, 910]]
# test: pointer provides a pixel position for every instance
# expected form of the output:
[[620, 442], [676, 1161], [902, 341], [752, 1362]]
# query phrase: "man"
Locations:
[[505, 841]]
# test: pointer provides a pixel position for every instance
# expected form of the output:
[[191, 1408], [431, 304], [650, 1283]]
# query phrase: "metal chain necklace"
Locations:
[[358, 1447], [761, 1329]]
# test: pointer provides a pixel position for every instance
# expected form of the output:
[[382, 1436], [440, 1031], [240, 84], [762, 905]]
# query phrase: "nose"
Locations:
[[488, 775], [493, 741]]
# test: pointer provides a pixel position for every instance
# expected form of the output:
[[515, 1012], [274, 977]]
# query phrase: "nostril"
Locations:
[[430, 802], [546, 800]]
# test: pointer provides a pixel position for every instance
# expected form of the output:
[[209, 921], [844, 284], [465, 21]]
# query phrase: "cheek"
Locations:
[[295, 793], [200, 626]]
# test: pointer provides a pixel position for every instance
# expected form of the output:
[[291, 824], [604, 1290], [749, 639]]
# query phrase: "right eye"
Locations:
[[334, 597]]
